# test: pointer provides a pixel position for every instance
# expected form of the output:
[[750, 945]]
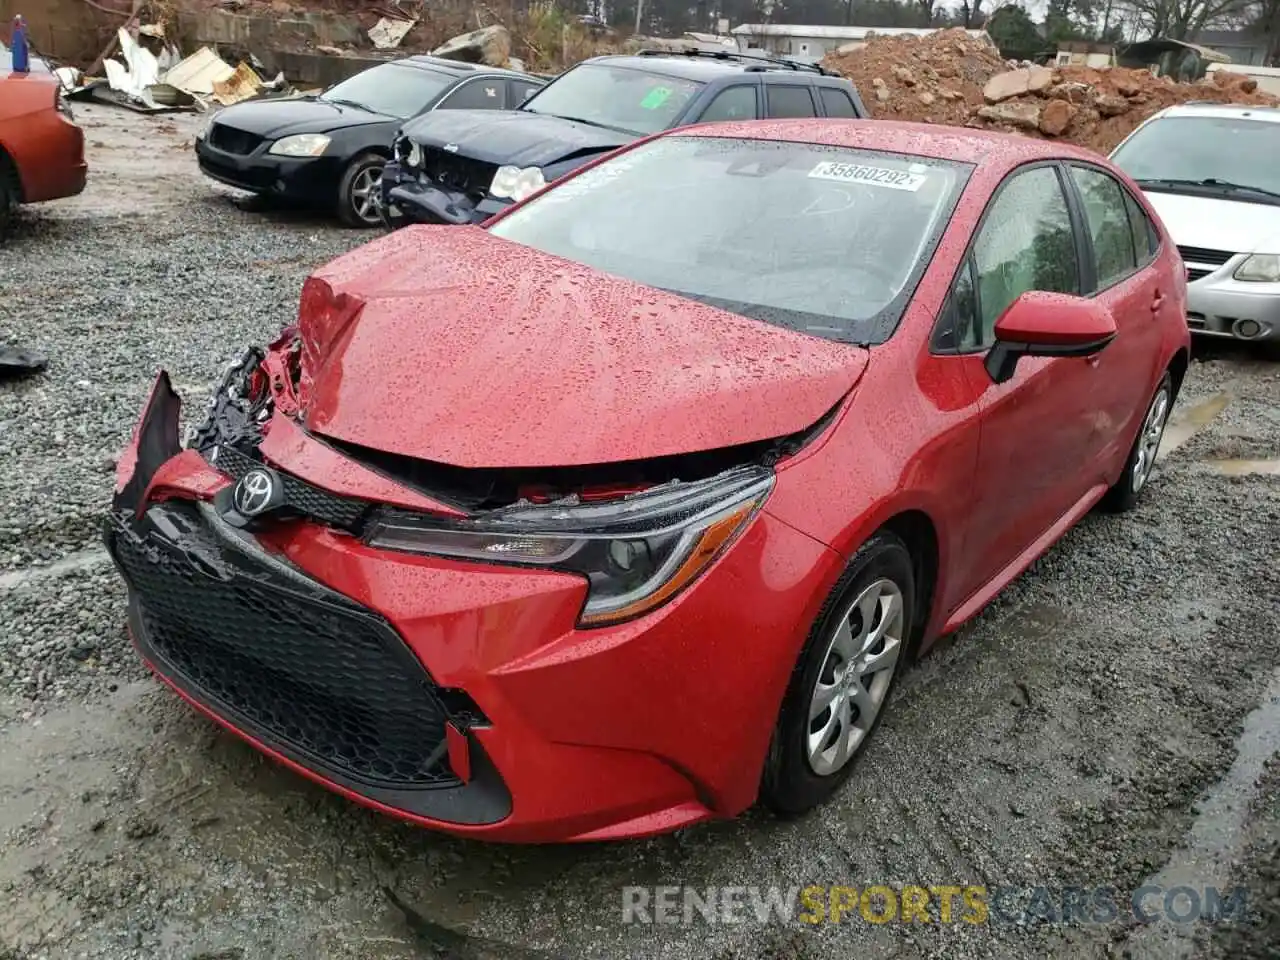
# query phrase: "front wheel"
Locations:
[[842, 681], [359, 193], [1142, 455]]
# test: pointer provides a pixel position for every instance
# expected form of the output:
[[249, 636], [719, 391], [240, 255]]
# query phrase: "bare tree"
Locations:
[[1183, 19], [1263, 18]]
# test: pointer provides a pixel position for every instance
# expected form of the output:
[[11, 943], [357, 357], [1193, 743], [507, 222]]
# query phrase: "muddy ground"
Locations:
[[1112, 720]]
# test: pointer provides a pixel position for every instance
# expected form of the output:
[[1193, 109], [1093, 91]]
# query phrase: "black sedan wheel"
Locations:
[[359, 195]]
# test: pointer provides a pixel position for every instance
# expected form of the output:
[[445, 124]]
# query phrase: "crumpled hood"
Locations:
[[1217, 224], [453, 346], [516, 137], [281, 118]]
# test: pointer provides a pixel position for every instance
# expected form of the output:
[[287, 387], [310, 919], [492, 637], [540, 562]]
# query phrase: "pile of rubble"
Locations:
[[950, 77]]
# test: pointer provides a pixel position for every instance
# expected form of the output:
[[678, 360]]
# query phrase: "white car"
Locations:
[[1212, 172]]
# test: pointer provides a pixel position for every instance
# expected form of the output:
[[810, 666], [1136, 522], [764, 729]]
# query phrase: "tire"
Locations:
[[358, 202], [8, 195], [1138, 465], [805, 766]]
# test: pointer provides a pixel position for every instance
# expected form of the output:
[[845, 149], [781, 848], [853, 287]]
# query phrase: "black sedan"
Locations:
[[329, 150]]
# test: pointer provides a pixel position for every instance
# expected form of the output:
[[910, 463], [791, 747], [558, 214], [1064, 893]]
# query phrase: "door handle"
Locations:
[[1158, 302]]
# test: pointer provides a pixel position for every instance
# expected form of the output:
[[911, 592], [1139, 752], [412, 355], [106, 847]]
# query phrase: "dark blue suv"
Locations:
[[463, 166]]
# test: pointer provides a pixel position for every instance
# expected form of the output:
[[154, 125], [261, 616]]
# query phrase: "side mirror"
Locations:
[[1040, 324]]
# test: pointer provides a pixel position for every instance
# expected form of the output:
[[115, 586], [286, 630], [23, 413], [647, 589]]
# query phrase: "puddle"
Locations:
[[1245, 468], [83, 560], [1186, 422], [1217, 835]]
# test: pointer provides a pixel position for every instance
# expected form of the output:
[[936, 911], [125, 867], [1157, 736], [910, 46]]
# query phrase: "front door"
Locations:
[[1036, 429]]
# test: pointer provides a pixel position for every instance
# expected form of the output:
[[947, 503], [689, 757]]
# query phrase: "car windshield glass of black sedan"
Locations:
[[828, 241], [1211, 151], [619, 98], [391, 89]]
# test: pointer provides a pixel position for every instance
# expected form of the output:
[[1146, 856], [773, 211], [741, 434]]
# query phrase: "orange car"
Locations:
[[41, 148]]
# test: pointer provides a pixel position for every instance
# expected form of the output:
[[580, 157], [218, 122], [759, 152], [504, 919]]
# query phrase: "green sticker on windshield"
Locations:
[[655, 98]]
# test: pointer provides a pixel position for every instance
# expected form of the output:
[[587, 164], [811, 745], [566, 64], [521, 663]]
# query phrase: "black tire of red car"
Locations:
[[358, 201], [1126, 491], [8, 194], [790, 785]]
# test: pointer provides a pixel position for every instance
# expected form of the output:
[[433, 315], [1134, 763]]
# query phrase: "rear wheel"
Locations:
[[1142, 455], [359, 199], [842, 681]]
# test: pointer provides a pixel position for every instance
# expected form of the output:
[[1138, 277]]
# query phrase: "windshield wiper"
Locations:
[[349, 103], [1209, 182]]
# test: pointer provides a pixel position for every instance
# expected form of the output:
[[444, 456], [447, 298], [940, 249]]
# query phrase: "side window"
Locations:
[[1109, 224], [837, 103], [476, 95], [1146, 239], [521, 91], [1026, 243], [732, 103], [787, 100]]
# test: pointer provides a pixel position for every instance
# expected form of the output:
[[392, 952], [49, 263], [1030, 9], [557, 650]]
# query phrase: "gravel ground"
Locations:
[[1108, 722]]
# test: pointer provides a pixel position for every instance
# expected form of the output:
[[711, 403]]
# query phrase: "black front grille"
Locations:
[[1202, 255], [299, 496], [468, 176], [233, 139], [288, 660], [1194, 275]]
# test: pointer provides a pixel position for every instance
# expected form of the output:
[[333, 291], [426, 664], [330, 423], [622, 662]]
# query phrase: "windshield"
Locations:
[[1233, 150], [823, 240], [390, 89], [619, 98]]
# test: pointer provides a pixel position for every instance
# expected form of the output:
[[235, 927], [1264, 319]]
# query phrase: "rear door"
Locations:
[[1035, 429], [1118, 272]]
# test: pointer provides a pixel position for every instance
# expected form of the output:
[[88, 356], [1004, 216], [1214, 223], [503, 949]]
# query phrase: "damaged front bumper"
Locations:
[[408, 197], [458, 694]]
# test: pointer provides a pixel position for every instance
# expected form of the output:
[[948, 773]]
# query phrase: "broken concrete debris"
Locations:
[[488, 45], [953, 78], [387, 33]]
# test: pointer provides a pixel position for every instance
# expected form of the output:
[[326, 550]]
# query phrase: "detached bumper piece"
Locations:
[[428, 203], [284, 660]]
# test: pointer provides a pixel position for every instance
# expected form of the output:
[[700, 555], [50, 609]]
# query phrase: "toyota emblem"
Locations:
[[255, 492]]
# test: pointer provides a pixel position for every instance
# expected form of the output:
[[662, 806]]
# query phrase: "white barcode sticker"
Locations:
[[861, 173]]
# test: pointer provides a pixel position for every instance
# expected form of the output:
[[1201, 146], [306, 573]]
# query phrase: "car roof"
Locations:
[[933, 141], [461, 67], [700, 68], [1221, 110]]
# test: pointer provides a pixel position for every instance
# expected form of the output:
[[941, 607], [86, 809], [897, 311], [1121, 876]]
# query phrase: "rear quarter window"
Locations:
[[837, 103]]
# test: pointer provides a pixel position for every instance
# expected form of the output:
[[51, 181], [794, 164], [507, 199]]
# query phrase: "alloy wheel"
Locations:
[[366, 194], [1149, 440], [862, 657]]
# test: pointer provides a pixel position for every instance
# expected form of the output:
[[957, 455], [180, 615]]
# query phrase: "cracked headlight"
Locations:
[[514, 183], [636, 553], [407, 152], [300, 145], [1260, 268]]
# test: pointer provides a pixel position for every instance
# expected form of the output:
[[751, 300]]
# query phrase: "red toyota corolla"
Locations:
[[624, 510]]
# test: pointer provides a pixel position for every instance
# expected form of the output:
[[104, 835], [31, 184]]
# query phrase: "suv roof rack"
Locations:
[[734, 55]]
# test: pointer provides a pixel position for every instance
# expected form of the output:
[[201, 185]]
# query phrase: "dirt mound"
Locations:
[[950, 77]]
